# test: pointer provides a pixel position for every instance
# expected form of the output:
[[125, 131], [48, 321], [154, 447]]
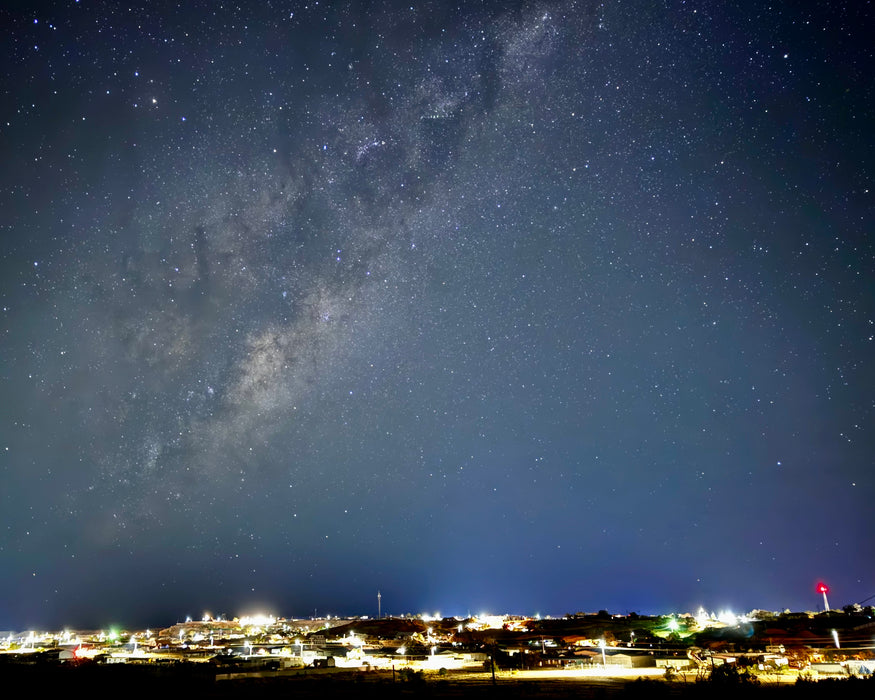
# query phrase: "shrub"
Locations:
[[730, 675], [408, 675]]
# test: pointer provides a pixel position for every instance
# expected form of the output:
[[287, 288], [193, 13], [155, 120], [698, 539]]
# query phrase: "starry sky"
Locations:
[[489, 306]]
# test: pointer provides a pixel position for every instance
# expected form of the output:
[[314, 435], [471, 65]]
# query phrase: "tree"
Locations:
[[731, 676]]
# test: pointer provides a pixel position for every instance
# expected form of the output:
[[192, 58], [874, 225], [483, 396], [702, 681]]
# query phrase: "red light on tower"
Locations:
[[823, 588]]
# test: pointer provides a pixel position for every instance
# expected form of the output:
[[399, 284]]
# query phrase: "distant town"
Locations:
[[760, 647]]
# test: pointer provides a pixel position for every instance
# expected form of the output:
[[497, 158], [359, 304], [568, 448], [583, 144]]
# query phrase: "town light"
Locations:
[[727, 617]]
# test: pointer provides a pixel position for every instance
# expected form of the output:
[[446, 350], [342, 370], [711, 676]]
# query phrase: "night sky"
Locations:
[[534, 307]]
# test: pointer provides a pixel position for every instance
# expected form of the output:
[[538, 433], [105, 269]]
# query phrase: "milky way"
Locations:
[[537, 306]]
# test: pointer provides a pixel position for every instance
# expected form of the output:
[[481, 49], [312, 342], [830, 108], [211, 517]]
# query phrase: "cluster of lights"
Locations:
[[485, 621], [353, 641], [259, 620], [724, 617], [83, 652]]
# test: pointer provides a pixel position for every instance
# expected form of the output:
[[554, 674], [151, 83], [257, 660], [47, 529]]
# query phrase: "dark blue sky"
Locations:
[[520, 307]]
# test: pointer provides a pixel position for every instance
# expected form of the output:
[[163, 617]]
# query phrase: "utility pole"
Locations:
[[823, 588]]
